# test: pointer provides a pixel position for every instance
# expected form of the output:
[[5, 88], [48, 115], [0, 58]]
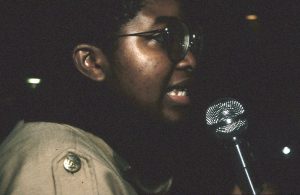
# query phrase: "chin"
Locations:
[[175, 117]]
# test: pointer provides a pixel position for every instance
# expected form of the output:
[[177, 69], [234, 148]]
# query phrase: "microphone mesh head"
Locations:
[[226, 117]]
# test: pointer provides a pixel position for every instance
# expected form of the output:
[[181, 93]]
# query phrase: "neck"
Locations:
[[146, 144]]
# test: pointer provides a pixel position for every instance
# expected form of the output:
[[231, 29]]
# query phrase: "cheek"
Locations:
[[142, 75]]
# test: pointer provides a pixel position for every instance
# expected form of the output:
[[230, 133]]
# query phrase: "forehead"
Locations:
[[148, 16], [165, 7]]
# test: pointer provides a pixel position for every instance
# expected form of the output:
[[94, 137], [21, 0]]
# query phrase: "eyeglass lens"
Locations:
[[180, 40]]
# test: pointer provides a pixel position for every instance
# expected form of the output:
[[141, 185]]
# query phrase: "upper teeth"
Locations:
[[176, 92]]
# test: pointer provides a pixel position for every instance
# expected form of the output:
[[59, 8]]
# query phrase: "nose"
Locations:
[[188, 63]]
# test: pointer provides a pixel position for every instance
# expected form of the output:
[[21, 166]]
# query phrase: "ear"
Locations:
[[91, 62]]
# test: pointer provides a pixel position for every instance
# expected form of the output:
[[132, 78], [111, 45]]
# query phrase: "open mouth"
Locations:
[[179, 93]]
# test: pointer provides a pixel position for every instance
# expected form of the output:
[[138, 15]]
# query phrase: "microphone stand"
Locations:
[[249, 181]]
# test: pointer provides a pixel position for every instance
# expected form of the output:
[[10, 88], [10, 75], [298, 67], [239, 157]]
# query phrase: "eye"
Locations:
[[160, 36]]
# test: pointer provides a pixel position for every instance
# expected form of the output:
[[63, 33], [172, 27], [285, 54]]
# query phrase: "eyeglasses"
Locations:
[[175, 39]]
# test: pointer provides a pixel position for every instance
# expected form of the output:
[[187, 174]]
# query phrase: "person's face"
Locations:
[[143, 71]]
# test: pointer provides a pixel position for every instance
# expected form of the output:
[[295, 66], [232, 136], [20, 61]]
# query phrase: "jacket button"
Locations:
[[72, 163]]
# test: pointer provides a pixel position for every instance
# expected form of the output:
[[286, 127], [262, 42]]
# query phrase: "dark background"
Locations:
[[256, 62]]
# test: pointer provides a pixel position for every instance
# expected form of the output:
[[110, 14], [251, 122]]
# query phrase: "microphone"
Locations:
[[226, 117]]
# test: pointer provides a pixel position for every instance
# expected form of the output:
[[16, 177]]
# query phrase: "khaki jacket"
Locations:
[[48, 158]]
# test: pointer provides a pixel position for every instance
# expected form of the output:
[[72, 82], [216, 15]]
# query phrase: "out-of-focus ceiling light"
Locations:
[[251, 17], [286, 150], [34, 81]]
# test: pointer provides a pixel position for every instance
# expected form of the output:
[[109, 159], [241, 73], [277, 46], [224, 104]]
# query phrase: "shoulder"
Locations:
[[56, 158], [41, 138], [37, 141]]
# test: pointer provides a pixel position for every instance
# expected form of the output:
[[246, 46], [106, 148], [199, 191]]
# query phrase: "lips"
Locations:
[[178, 92]]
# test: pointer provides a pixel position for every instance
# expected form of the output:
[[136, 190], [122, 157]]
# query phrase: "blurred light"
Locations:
[[251, 17], [34, 81], [286, 150]]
